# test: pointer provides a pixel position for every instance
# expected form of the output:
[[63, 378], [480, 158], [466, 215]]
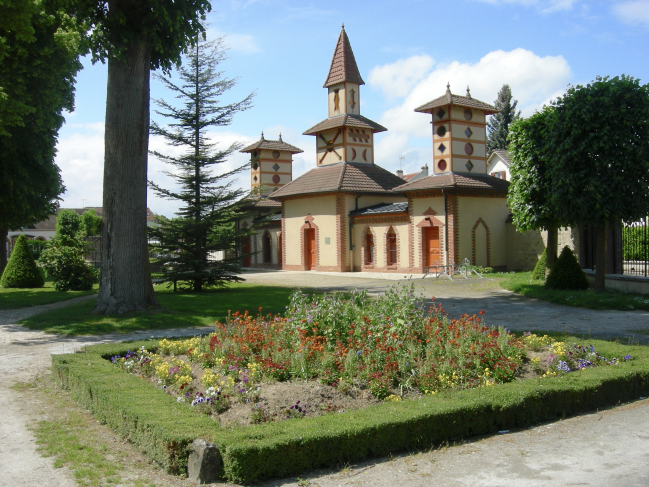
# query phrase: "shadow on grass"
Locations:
[[178, 310], [522, 283], [21, 298]]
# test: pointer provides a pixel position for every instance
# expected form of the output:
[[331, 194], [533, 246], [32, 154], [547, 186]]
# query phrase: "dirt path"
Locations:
[[601, 449]]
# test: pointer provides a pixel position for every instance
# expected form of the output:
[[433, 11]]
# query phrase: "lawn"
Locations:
[[522, 283], [178, 310], [20, 298]]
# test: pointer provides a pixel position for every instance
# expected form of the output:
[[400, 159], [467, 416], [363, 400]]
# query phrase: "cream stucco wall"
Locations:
[[479, 166], [344, 93], [479, 133], [380, 231], [494, 213], [497, 165], [478, 116], [479, 149], [323, 211], [419, 206]]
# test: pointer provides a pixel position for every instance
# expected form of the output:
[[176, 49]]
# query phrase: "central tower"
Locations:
[[346, 136]]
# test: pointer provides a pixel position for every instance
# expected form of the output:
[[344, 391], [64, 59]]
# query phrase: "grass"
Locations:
[[522, 283], [178, 310], [11, 298], [94, 455]]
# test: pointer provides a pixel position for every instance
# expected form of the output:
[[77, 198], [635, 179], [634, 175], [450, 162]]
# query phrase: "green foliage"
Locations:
[[530, 192], [167, 27], [566, 273], [91, 223], [498, 126], [209, 205], [21, 271], [36, 247], [636, 242], [39, 59], [165, 429], [540, 267], [600, 170], [63, 259]]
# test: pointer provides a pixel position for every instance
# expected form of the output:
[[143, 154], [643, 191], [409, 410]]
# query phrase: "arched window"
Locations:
[[369, 248], [266, 247], [392, 247]]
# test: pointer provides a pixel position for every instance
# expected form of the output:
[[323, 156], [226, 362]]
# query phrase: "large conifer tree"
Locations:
[[498, 126], [209, 208]]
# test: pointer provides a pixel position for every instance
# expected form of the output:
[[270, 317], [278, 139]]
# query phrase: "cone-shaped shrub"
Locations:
[[539, 269], [21, 270], [566, 273]]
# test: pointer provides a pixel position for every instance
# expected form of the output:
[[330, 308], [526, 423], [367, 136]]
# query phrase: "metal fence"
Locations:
[[635, 248]]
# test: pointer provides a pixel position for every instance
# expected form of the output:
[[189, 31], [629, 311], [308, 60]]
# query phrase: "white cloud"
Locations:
[[242, 43], [534, 81], [634, 12], [544, 6], [81, 159], [398, 78]]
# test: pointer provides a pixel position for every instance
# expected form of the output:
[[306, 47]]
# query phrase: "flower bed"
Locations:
[[256, 369]]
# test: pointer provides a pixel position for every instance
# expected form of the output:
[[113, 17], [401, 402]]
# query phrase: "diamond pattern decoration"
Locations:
[[441, 148], [440, 113], [469, 166], [276, 167], [255, 179], [468, 133]]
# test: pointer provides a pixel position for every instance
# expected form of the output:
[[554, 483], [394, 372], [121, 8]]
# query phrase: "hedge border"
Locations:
[[165, 429]]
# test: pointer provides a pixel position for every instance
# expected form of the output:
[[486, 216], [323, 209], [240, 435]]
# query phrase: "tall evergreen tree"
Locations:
[[209, 203], [134, 36], [498, 126], [39, 59]]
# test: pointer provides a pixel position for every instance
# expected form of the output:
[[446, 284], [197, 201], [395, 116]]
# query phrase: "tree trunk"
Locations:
[[551, 249], [3, 249], [125, 282], [600, 259]]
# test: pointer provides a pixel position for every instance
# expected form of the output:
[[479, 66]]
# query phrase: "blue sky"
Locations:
[[406, 51]]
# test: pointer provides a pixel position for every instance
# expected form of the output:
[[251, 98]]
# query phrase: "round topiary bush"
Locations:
[[541, 265], [566, 273], [21, 270]]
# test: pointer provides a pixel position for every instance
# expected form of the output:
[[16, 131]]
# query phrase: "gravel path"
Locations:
[[599, 449]]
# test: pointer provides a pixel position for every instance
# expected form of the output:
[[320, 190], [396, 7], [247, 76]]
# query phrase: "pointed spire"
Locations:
[[448, 87], [343, 64], [468, 91], [262, 135], [449, 95], [280, 137]]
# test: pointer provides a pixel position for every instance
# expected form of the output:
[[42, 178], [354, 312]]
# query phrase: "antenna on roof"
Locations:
[[401, 159]]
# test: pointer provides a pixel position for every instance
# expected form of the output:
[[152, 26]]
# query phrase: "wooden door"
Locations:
[[246, 251], [431, 246], [309, 249]]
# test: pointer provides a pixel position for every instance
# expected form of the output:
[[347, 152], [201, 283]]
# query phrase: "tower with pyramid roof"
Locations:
[[345, 136]]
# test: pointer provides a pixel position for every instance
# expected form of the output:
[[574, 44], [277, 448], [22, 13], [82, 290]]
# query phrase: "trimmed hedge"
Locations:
[[165, 429], [541, 265], [21, 270], [566, 272]]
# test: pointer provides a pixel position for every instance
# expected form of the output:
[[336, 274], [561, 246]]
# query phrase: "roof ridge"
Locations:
[[342, 176]]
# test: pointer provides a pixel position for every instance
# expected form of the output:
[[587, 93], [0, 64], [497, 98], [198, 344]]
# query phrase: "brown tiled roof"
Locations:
[[462, 101], [272, 145], [345, 177], [455, 180], [408, 177], [343, 64], [504, 155], [345, 120], [266, 203]]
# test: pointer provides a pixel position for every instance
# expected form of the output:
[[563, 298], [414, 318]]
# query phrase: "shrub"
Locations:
[[566, 273], [541, 265], [21, 270], [68, 269]]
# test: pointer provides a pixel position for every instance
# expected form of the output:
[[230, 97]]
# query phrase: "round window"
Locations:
[[468, 149], [254, 153], [441, 131], [441, 165], [276, 154], [254, 166], [275, 179], [468, 115]]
